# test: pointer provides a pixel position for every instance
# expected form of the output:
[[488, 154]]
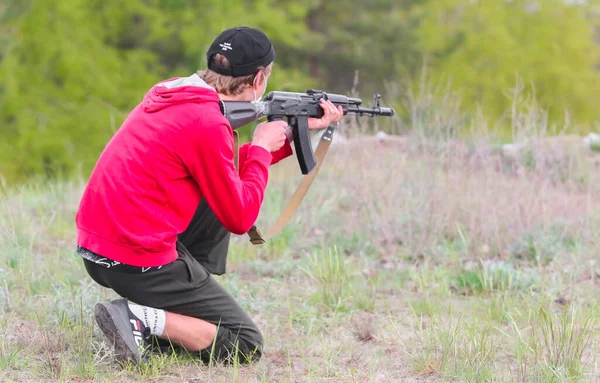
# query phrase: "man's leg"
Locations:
[[200, 314], [207, 241]]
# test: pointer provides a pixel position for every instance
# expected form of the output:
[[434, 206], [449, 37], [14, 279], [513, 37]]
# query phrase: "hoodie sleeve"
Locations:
[[235, 199], [282, 153]]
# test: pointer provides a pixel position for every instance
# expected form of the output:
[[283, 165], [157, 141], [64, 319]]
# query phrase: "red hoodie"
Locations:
[[173, 149]]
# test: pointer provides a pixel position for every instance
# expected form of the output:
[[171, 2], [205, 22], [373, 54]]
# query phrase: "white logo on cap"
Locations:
[[226, 46]]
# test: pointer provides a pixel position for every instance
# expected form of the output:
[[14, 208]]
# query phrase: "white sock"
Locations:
[[153, 318]]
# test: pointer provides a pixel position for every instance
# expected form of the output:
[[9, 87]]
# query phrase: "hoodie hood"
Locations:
[[178, 91]]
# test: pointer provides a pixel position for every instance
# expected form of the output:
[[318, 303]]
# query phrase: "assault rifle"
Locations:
[[297, 108]]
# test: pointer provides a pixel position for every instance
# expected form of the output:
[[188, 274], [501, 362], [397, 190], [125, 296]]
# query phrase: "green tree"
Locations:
[[482, 46], [375, 38], [73, 69], [64, 89]]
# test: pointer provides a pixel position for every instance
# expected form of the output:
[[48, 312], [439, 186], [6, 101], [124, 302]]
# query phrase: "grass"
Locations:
[[426, 257]]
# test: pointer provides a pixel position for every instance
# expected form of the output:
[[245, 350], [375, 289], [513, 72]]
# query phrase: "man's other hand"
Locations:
[[270, 135], [331, 115]]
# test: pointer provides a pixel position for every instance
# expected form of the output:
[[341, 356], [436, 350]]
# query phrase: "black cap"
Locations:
[[246, 48]]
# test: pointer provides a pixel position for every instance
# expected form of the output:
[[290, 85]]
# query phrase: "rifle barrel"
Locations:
[[362, 111]]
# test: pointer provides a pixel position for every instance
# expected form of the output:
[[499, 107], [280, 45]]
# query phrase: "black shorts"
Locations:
[[186, 287]]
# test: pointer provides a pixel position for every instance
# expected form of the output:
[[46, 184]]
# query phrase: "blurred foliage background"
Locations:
[[71, 70]]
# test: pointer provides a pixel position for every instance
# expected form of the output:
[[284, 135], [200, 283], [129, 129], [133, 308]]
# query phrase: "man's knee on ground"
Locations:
[[250, 346], [244, 347]]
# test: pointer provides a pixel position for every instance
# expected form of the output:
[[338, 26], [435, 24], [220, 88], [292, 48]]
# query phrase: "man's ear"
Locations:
[[258, 79]]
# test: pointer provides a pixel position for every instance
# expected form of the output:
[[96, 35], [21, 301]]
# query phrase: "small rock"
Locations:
[[387, 264], [369, 273], [318, 232], [562, 301], [592, 141], [512, 150]]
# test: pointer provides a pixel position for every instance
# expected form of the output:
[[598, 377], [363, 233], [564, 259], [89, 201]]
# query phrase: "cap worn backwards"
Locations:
[[247, 49]]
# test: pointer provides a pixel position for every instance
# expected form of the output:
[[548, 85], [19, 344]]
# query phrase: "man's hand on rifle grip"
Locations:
[[270, 135]]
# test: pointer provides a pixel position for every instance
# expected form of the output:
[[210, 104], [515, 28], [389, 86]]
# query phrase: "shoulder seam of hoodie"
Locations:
[[193, 80]]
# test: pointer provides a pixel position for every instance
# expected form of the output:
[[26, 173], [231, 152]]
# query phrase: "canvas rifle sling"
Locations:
[[254, 233]]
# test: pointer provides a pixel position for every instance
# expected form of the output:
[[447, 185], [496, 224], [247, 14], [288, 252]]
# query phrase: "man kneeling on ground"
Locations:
[[164, 197]]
